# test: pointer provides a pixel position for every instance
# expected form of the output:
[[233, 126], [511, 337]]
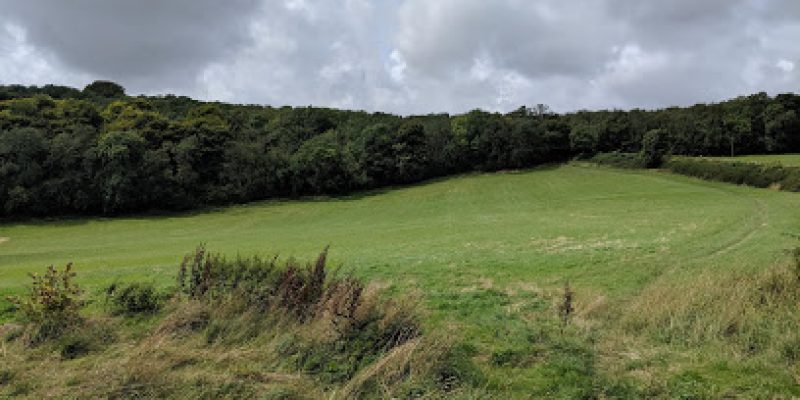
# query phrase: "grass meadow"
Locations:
[[485, 254]]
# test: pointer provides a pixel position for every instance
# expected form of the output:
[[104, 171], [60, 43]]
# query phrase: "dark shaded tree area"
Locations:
[[755, 124], [97, 151]]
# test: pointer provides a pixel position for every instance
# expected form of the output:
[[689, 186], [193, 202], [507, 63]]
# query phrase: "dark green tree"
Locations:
[[105, 89]]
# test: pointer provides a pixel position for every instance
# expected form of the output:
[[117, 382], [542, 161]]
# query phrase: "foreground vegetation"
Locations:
[[250, 328], [680, 287], [239, 328]]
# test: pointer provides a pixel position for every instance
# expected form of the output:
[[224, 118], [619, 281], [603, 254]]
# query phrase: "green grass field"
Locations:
[[784, 159], [476, 248], [607, 229]]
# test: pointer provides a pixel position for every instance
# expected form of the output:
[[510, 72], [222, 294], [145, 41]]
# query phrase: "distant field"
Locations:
[[475, 247], [785, 159]]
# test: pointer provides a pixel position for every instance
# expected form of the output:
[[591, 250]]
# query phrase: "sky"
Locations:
[[411, 56]]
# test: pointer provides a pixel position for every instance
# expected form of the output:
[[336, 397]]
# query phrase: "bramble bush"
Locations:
[[134, 298], [52, 306]]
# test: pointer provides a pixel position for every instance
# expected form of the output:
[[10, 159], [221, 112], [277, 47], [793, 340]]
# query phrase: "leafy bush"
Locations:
[[104, 89], [53, 304], [619, 160], [740, 173], [652, 153], [134, 298]]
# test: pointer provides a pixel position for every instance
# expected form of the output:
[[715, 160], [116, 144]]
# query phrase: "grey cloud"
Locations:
[[539, 38], [413, 56], [324, 53], [148, 41]]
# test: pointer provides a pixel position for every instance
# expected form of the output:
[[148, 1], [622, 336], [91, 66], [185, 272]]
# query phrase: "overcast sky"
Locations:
[[411, 56]]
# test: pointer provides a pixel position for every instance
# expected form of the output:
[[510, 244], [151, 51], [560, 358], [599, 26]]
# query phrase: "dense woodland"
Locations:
[[65, 151]]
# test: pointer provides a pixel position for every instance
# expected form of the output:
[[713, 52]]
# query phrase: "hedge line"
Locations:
[[619, 160], [741, 173]]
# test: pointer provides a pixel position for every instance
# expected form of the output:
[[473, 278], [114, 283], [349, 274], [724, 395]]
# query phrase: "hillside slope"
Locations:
[[485, 252]]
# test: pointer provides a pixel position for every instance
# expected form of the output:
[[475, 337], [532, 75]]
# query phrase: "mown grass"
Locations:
[[488, 254]]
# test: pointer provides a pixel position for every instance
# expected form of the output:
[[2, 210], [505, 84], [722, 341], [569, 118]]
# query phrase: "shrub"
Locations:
[[134, 298], [740, 173], [259, 283], [349, 327], [104, 89], [619, 160], [52, 306], [652, 154]]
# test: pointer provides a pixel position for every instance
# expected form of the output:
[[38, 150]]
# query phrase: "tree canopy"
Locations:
[[98, 151]]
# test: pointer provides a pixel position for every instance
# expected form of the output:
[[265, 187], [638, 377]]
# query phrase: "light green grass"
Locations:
[[608, 229], [477, 248], [792, 160]]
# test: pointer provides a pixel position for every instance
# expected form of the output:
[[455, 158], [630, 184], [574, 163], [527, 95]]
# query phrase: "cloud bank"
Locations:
[[411, 56]]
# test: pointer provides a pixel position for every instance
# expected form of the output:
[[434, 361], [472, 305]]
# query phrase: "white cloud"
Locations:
[[785, 65], [22, 63], [397, 66]]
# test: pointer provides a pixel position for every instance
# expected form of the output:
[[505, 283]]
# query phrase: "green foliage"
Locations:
[[619, 160], [323, 165], [53, 304], [741, 173], [652, 153], [134, 298], [100, 152], [104, 89]]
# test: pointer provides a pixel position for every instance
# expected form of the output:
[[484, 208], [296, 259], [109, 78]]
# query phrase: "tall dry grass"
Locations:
[[748, 312], [246, 328]]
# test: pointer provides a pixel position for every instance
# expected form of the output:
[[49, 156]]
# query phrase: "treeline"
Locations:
[[98, 151], [754, 124]]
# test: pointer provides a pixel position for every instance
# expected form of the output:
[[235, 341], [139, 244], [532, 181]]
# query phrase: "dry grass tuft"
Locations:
[[750, 311]]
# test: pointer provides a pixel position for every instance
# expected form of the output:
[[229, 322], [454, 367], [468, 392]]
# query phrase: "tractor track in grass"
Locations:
[[760, 222]]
